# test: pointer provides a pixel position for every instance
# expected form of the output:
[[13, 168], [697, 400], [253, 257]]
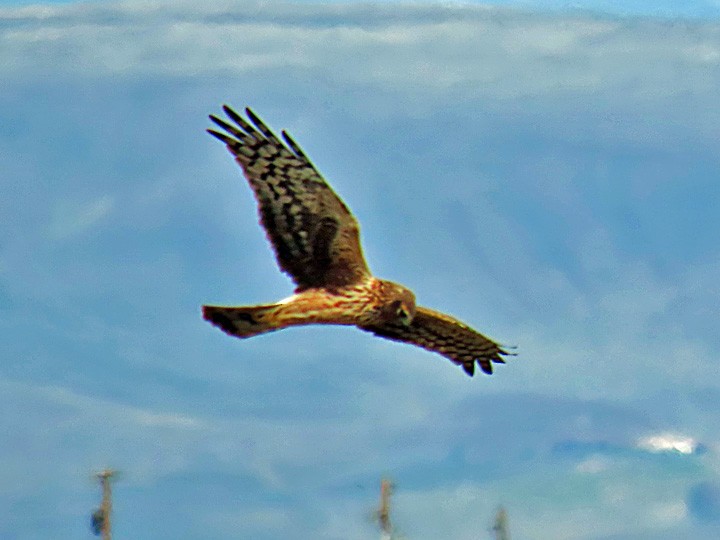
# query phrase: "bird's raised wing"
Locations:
[[446, 335], [315, 237]]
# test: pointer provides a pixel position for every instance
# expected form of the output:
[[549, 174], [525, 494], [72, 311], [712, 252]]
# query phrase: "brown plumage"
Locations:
[[317, 242]]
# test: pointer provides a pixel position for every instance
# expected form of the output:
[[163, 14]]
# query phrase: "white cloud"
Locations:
[[465, 511], [668, 442], [593, 465], [93, 405], [460, 51], [669, 513], [71, 217]]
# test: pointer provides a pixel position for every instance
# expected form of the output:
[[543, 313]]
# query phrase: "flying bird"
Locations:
[[316, 240]]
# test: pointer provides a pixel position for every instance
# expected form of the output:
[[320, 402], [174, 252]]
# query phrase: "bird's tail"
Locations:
[[242, 322]]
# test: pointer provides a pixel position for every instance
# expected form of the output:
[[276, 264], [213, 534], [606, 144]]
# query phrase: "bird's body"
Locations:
[[317, 242], [351, 305]]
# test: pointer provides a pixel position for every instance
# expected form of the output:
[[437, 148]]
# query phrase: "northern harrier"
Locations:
[[317, 242]]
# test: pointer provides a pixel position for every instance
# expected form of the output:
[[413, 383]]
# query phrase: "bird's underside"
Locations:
[[317, 242]]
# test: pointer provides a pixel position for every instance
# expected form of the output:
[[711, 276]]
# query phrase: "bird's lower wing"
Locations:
[[447, 336]]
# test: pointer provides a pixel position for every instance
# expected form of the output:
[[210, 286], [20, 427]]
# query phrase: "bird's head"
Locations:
[[400, 304]]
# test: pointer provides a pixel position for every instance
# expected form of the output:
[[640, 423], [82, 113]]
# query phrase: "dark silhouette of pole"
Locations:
[[384, 509], [101, 516], [500, 528]]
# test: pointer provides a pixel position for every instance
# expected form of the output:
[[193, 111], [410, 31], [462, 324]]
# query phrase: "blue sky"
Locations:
[[550, 178]]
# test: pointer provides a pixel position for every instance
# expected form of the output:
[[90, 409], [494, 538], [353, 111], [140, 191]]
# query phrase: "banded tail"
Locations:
[[242, 322]]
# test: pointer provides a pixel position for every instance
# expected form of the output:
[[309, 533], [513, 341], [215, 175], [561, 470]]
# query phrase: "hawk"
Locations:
[[316, 240]]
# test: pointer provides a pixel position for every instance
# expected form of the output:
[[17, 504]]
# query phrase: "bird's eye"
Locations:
[[403, 315]]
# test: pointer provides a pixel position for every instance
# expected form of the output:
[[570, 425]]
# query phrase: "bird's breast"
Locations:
[[349, 305]]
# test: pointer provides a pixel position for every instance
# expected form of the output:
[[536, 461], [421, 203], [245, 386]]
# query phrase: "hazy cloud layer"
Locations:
[[470, 52]]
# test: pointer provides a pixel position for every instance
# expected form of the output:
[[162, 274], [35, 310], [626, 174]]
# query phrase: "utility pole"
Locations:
[[384, 510], [101, 516], [500, 528]]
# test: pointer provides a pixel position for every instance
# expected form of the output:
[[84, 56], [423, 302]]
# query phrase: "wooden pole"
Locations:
[[106, 506], [500, 528], [384, 510]]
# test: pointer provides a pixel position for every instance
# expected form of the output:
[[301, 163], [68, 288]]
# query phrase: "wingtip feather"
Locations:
[[252, 116], [221, 136], [295, 147]]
